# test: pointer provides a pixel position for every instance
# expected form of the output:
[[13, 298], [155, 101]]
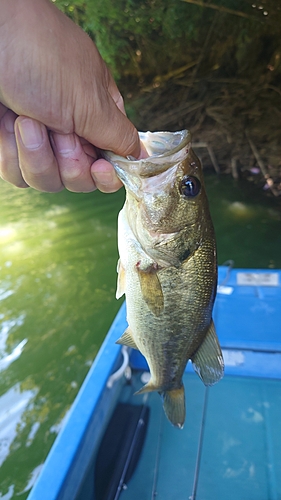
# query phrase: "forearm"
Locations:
[[20, 21], [11, 8], [14, 13], [34, 54]]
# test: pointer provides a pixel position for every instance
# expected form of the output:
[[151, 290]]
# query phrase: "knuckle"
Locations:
[[72, 171]]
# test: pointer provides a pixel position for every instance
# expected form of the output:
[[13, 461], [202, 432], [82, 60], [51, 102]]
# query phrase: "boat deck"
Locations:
[[230, 446]]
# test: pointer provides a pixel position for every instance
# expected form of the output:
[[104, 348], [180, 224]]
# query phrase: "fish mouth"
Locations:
[[165, 149]]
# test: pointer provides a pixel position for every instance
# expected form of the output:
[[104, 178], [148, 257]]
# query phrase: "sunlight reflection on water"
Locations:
[[10, 358], [57, 277], [12, 406]]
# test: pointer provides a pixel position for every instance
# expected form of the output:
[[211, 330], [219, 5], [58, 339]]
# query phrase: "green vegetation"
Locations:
[[213, 66], [135, 36], [145, 38]]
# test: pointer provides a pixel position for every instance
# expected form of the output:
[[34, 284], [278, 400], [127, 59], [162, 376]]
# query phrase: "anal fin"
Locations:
[[208, 359], [149, 387], [127, 339]]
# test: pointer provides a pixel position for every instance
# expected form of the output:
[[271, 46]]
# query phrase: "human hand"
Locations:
[[58, 103]]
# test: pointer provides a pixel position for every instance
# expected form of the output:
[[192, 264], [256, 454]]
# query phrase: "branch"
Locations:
[[221, 8], [262, 166]]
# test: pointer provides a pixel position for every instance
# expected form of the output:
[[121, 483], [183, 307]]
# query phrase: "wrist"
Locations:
[[11, 11], [20, 34]]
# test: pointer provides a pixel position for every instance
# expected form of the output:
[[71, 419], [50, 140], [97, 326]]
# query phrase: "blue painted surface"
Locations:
[[250, 317], [248, 324], [241, 451], [241, 455]]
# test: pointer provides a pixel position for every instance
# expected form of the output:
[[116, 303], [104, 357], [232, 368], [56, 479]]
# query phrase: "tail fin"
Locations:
[[174, 406], [173, 402]]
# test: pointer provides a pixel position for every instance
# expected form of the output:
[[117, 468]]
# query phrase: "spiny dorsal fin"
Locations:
[[208, 359], [121, 280], [127, 339], [151, 291]]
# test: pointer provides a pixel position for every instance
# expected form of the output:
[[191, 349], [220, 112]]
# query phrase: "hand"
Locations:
[[58, 103]]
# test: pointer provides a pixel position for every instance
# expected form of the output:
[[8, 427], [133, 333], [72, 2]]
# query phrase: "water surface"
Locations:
[[58, 258]]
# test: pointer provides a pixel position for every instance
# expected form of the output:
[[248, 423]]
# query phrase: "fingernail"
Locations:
[[143, 153], [64, 143], [31, 133], [105, 178]]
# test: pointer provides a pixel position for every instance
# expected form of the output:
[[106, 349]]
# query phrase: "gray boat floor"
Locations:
[[229, 448]]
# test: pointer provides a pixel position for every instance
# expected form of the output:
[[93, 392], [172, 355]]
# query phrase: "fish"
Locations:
[[167, 266]]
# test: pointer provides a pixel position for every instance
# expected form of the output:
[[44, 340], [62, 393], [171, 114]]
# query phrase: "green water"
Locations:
[[247, 224], [57, 301]]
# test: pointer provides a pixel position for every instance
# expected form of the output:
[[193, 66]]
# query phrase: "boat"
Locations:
[[115, 444]]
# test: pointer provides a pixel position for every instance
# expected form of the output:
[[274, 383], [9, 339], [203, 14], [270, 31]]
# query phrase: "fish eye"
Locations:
[[190, 186]]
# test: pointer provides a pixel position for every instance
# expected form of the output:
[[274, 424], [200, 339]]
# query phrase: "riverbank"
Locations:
[[211, 67], [234, 122]]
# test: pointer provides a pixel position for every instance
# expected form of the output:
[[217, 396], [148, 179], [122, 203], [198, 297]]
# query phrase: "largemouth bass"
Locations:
[[167, 266]]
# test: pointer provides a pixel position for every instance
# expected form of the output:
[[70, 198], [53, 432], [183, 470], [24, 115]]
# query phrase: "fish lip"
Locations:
[[166, 148]]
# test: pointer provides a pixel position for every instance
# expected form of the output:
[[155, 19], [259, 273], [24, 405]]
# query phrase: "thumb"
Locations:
[[121, 136], [107, 126], [112, 130]]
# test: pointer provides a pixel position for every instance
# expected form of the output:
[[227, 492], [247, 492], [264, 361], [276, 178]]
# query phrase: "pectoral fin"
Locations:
[[151, 291], [121, 280], [127, 339], [208, 359]]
